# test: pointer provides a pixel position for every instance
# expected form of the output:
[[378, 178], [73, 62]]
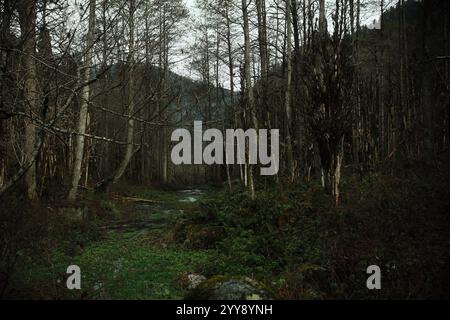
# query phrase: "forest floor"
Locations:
[[141, 242], [129, 257]]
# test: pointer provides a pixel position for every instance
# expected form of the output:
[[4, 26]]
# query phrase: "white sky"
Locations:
[[182, 57]]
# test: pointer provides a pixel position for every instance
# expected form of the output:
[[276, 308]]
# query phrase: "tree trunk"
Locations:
[[331, 156], [249, 87], [262, 37], [5, 39], [130, 132], [287, 98], [322, 17], [27, 17], [83, 118], [231, 71]]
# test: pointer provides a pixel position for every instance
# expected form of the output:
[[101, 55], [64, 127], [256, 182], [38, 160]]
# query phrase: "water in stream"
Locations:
[[158, 215]]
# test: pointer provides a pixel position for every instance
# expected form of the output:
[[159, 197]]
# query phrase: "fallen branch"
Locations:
[[133, 199]]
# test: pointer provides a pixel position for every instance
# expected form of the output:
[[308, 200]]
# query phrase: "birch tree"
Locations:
[[83, 117]]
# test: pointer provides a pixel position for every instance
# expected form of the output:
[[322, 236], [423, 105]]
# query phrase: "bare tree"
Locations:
[[288, 93], [131, 63], [250, 99], [83, 117], [27, 17], [329, 78]]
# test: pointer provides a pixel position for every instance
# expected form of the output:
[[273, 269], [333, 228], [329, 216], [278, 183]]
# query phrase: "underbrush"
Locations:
[[38, 245], [303, 246], [29, 233], [292, 239], [119, 266], [39, 241]]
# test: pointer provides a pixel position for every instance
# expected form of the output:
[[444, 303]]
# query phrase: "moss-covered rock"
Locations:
[[229, 288]]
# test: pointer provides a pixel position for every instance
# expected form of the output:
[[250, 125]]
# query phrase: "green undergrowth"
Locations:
[[292, 239], [297, 241], [121, 266], [115, 263]]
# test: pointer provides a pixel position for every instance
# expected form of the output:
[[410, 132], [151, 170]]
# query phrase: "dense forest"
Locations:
[[92, 90]]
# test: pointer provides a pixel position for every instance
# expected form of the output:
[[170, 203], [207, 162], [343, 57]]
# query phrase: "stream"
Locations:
[[158, 215]]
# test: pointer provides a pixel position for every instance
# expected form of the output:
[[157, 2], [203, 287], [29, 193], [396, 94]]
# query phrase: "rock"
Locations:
[[194, 280], [191, 281], [229, 288]]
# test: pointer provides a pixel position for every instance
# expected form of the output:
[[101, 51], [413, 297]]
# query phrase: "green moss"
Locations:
[[122, 266]]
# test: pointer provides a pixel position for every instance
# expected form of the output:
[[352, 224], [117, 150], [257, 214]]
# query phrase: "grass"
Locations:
[[121, 266], [129, 264]]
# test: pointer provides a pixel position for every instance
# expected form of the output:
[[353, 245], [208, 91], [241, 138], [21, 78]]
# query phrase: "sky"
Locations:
[[182, 58]]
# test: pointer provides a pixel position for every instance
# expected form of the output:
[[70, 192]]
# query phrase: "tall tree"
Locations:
[[129, 151], [288, 93], [32, 96], [250, 99], [329, 80], [83, 117], [322, 17]]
